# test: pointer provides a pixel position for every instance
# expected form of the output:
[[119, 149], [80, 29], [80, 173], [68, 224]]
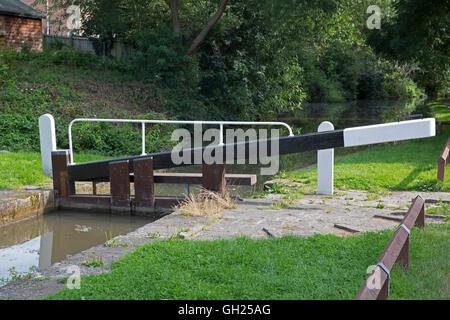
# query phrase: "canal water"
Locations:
[[53, 237], [39, 242], [307, 120]]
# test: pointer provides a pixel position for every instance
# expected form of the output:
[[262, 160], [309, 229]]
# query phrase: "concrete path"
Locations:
[[344, 214]]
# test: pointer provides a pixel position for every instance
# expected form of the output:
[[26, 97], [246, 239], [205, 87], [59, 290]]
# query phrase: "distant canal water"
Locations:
[[307, 120], [53, 237], [41, 241]]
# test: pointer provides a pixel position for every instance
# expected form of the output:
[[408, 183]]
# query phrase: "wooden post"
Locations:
[[420, 221], [61, 183], [119, 179], [144, 187], [403, 257], [396, 251], [213, 177], [443, 160]]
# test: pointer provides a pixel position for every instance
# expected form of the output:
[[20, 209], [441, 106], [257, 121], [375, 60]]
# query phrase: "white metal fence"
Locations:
[[194, 122]]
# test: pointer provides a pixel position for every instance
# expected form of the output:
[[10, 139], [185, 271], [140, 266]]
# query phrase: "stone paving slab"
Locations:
[[354, 210]]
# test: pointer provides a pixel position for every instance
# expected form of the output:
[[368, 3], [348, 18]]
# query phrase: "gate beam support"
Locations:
[[144, 186], [119, 174], [213, 177], [61, 184]]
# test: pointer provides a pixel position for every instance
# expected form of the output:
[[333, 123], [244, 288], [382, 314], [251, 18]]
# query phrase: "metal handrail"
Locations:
[[143, 122]]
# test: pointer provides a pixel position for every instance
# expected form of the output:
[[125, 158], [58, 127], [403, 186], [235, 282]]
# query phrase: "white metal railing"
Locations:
[[143, 122]]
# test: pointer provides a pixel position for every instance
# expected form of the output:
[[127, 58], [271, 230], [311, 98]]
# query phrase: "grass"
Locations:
[[410, 165], [94, 262], [318, 267], [25, 168], [205, 203], [442, 208]]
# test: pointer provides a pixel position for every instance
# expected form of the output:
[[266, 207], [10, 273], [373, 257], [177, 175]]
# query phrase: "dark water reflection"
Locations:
[[352, 114], [54, 236]]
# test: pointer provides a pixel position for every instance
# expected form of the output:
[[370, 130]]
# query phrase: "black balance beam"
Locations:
[[99, 170]]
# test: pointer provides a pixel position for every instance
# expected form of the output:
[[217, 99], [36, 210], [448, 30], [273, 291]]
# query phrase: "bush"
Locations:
[[160, 56], [396, 84], [117, 139], [24, 96]]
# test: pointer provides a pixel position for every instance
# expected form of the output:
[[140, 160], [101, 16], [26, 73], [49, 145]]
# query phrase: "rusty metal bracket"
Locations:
[[385, 269], [404, 227]]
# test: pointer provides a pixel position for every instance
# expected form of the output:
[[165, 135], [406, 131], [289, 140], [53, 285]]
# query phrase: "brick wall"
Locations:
[[58, 19], [17, 31]]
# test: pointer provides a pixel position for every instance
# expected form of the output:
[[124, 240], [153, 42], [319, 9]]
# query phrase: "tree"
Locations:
[[103, 17], [418, 33]]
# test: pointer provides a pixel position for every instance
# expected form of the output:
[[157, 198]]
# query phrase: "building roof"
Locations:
[[19, 9]]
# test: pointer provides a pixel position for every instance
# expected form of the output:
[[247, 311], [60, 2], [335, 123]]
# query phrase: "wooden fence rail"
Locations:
[[119, 48], [376, 286], [439, 125], [443, 161]]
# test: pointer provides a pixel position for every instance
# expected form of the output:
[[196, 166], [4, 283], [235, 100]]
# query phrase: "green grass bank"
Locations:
[[410, 165], [318, 267]]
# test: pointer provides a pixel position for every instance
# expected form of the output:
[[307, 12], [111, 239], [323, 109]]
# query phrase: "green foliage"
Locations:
[[159, 55], [16, 275], [418, 33], [318, 267], [62, 82], [442, 208], [260, 58], [94, 262], [25, 168], [397, 85]]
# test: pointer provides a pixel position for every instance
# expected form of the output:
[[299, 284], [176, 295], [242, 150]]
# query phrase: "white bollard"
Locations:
[[48, 142], [325, 163]]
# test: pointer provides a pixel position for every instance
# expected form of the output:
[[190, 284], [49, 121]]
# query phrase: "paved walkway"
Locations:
[[346, 213]]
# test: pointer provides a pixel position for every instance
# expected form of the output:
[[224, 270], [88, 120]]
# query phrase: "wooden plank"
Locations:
[[236, 179], [144, 187], [443, 160], [99, 170], [196, 178], [61, 183], [101, 200], [94, 203], [213, 177], [416, 214], [120, 186], [167, 202]]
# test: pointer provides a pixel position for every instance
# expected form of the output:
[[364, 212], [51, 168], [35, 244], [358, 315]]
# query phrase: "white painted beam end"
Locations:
[[48, 142], [389, 132]]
